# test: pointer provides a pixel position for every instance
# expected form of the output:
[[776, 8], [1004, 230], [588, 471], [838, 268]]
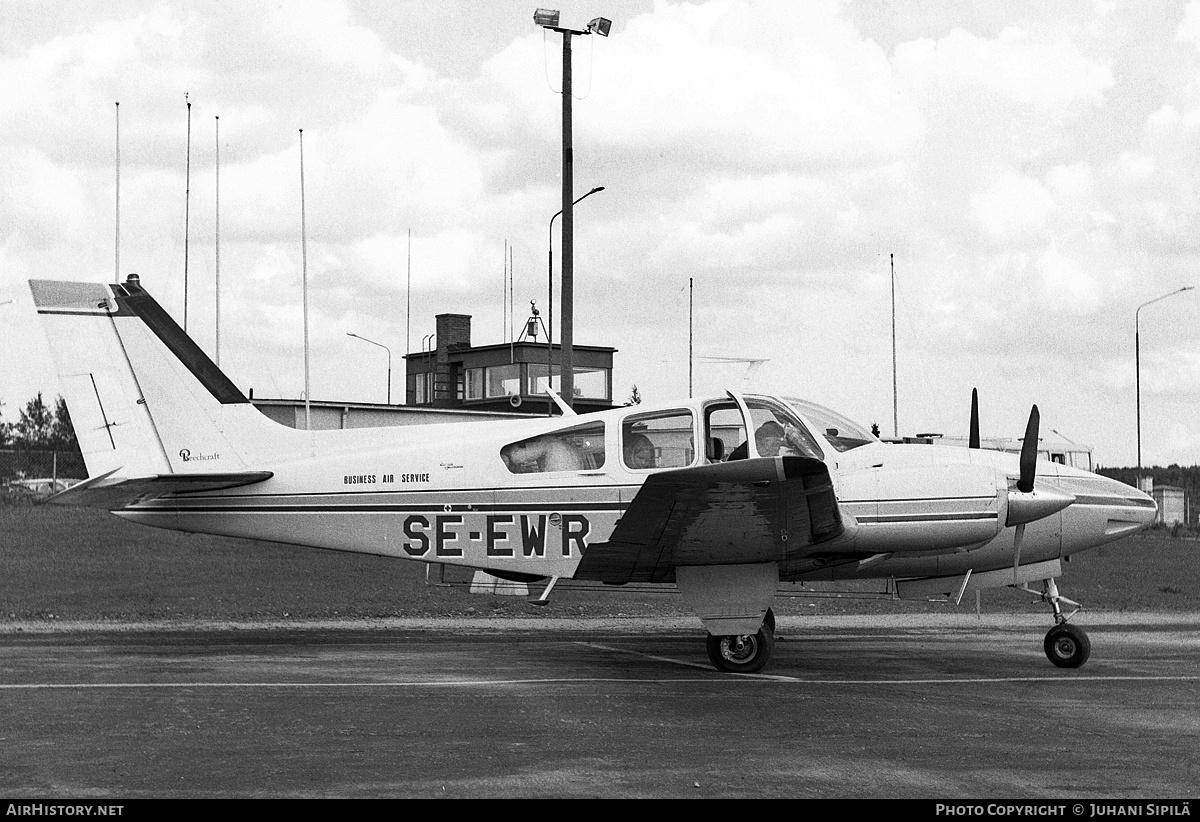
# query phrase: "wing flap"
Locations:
[[734, 513], [111, 493]]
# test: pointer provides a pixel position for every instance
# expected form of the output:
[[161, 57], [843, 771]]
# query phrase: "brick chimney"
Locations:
[[453, 334]]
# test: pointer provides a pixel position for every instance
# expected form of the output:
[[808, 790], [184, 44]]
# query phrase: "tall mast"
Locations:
[[304, 286], [117, 260], [187, 201], [218, 241]]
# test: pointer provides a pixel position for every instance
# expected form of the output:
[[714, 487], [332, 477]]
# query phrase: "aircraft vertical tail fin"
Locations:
[[144, 399]]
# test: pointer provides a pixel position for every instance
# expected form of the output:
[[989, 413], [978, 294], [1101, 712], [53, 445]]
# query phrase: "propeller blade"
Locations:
[[973, 441], [1029, 449]]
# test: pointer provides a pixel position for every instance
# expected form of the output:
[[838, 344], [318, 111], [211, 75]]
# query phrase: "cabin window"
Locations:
[[840, 432], [662, 440], [572, 449], [726, 432], [777, 432]]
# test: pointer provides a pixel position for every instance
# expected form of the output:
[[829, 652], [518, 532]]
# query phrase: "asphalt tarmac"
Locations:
[[894, 708]]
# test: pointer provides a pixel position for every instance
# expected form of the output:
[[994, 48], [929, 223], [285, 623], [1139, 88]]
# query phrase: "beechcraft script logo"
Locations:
[[187, 456]]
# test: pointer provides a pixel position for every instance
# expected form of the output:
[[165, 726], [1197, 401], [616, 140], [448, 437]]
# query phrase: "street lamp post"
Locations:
[[548, 18], [550, 276], [389, 353], [1137, 355]]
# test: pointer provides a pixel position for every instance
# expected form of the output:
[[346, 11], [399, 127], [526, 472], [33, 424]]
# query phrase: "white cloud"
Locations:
[[1067, 284], [1050, 75], [1189, 27], [1011, 206]]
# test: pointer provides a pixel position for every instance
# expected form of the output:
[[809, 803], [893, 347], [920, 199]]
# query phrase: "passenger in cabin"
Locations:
[[639, 451], [548, 453]]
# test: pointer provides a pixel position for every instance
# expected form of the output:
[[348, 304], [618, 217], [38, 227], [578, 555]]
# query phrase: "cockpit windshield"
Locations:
[[841, 432]]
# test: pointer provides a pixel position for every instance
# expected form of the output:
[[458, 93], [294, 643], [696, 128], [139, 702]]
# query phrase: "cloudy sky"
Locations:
[[1033, 166]]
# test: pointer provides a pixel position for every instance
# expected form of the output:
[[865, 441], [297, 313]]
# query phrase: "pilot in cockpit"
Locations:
[[775, 440]]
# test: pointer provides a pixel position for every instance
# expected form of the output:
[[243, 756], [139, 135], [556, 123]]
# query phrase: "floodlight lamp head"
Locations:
[[600, 25], [546, 17]]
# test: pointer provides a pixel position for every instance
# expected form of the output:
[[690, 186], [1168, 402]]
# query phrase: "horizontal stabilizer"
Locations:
[[734, 513], [106, 492]]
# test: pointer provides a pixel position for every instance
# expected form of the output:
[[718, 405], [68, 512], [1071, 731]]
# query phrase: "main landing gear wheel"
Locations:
[[745, 654], [1067, 645]]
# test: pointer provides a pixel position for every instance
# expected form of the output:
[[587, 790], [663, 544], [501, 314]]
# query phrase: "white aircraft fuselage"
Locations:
[[722, 496]]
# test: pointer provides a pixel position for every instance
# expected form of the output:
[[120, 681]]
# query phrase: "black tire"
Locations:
[[741, 654], [1067, 645]]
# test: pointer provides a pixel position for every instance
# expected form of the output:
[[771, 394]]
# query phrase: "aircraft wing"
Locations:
[[106, 492], [730, 513]]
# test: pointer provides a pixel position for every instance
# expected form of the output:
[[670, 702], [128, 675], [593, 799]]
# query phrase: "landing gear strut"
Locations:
[[745, 654], [1066, 645]]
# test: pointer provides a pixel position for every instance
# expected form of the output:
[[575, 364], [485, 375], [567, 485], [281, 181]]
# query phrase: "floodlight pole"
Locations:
[[1137, 359], [567, 314], [548, 19]]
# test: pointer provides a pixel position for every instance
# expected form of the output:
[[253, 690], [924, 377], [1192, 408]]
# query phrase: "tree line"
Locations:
[[39, 427]]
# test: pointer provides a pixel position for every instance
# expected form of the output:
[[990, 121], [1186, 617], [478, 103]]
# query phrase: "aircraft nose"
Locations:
[[1104, 510], [1145, 503], [1127, 508]]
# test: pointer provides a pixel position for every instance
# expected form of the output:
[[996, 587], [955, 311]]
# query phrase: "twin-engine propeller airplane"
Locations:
[[724, 496]]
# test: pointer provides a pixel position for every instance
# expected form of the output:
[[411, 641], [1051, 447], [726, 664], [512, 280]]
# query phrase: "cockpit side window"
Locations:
[[572, 449], [779, 432], [662, 440], [725, 433]]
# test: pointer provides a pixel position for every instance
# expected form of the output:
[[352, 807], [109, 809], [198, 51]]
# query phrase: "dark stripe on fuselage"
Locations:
[[180, 344], [1111, 502], [914, 499], [927, 517], [216, 506]]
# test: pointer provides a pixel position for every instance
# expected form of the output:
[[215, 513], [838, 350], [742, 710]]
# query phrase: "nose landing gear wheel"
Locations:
[[746, 654], [1067, 645]]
